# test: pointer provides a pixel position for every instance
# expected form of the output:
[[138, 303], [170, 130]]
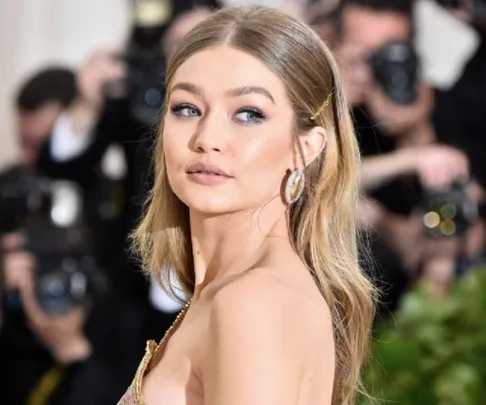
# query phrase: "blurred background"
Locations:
[[80, 95]]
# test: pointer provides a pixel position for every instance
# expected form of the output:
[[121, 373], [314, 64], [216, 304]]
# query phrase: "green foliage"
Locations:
[[434, 351]]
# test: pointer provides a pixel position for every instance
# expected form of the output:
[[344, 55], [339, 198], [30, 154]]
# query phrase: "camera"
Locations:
[[450, 211], [21, 193], [396, 70], [48, 215], [145, 59]]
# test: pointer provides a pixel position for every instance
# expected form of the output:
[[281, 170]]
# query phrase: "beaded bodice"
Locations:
[[133, 396]]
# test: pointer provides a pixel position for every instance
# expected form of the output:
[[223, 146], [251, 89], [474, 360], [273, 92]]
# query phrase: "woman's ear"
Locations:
[[312, 144]]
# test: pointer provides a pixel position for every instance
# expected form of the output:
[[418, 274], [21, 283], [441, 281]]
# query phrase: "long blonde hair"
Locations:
[[323, 221]]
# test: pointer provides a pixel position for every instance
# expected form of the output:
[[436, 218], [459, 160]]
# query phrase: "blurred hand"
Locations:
[[476, 191], [405, 236], [62, 335], [439, 276], [101, 67], [17, 269], [397, 119], [437, 166], [17, 266]]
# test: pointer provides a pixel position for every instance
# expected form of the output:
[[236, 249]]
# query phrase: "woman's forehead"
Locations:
[[226, 68]]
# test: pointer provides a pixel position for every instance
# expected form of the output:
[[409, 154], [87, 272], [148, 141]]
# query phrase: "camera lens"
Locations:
[[449, 212], [395, 68]]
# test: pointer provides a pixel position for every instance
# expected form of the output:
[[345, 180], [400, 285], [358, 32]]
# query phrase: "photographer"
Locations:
[[111, 108], [121, 95], [54, 342], [459, 115], [38, 106], [402, 160], [66, 358]]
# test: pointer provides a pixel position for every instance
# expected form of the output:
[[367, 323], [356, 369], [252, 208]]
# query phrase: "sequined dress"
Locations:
[[133, 396]]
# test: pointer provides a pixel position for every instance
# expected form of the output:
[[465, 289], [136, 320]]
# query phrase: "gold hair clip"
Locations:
[[326, 104]]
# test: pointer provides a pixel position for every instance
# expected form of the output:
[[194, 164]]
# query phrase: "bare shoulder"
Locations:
[[262, 329], [264, 300]]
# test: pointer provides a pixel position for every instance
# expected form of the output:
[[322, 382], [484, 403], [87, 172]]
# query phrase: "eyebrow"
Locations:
[[189, 87], [239, 91], [242, 91]]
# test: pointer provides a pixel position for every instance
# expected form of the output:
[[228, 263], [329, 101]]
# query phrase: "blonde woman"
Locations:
[[254, 209]]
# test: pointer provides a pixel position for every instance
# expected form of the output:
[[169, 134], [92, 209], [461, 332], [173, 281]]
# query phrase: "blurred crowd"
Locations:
[[76, 309]]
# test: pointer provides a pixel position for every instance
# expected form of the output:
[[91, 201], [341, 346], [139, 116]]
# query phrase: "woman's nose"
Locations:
[[210, 135]]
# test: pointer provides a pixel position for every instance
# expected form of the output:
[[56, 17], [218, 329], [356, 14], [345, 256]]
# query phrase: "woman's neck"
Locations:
[[231, 243]]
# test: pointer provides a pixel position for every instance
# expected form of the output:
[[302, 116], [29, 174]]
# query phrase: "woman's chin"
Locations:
[[208, 212], [209, 207]]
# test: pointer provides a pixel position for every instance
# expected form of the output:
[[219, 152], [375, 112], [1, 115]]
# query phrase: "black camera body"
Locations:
[[22, 192], [67, 274], [48, 216], [450, 211], [145, 78], [145, 59], [396, 70]]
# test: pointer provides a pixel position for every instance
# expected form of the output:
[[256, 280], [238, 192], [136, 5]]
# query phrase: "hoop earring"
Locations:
[[294, 186]]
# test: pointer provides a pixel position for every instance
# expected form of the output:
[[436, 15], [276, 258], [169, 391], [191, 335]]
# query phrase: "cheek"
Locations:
[[266, 157], [173, 151], [175, 140]]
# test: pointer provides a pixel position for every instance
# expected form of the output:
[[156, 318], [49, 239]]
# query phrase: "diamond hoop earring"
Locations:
[[294, 186]]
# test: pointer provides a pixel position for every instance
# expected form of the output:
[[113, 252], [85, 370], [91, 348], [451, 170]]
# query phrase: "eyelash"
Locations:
[[176, 109], [260, 116]]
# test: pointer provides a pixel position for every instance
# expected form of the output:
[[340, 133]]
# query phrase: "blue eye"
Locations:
[[250, 116], [185, 110]]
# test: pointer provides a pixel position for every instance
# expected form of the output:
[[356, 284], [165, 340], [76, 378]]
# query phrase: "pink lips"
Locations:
[[207, 174]]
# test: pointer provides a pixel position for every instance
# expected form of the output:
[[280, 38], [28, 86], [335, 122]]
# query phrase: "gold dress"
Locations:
[[133, 396]]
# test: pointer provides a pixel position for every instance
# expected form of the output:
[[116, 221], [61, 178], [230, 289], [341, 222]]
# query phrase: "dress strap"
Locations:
[[152, 351]]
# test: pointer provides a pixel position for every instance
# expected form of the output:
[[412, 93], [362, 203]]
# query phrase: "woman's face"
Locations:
[[227, 133]]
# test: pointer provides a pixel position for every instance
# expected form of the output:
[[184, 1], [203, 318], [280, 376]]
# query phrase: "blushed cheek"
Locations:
[[269, 160]]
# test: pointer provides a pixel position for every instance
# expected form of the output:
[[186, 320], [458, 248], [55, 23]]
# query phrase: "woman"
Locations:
[[254, 209]]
